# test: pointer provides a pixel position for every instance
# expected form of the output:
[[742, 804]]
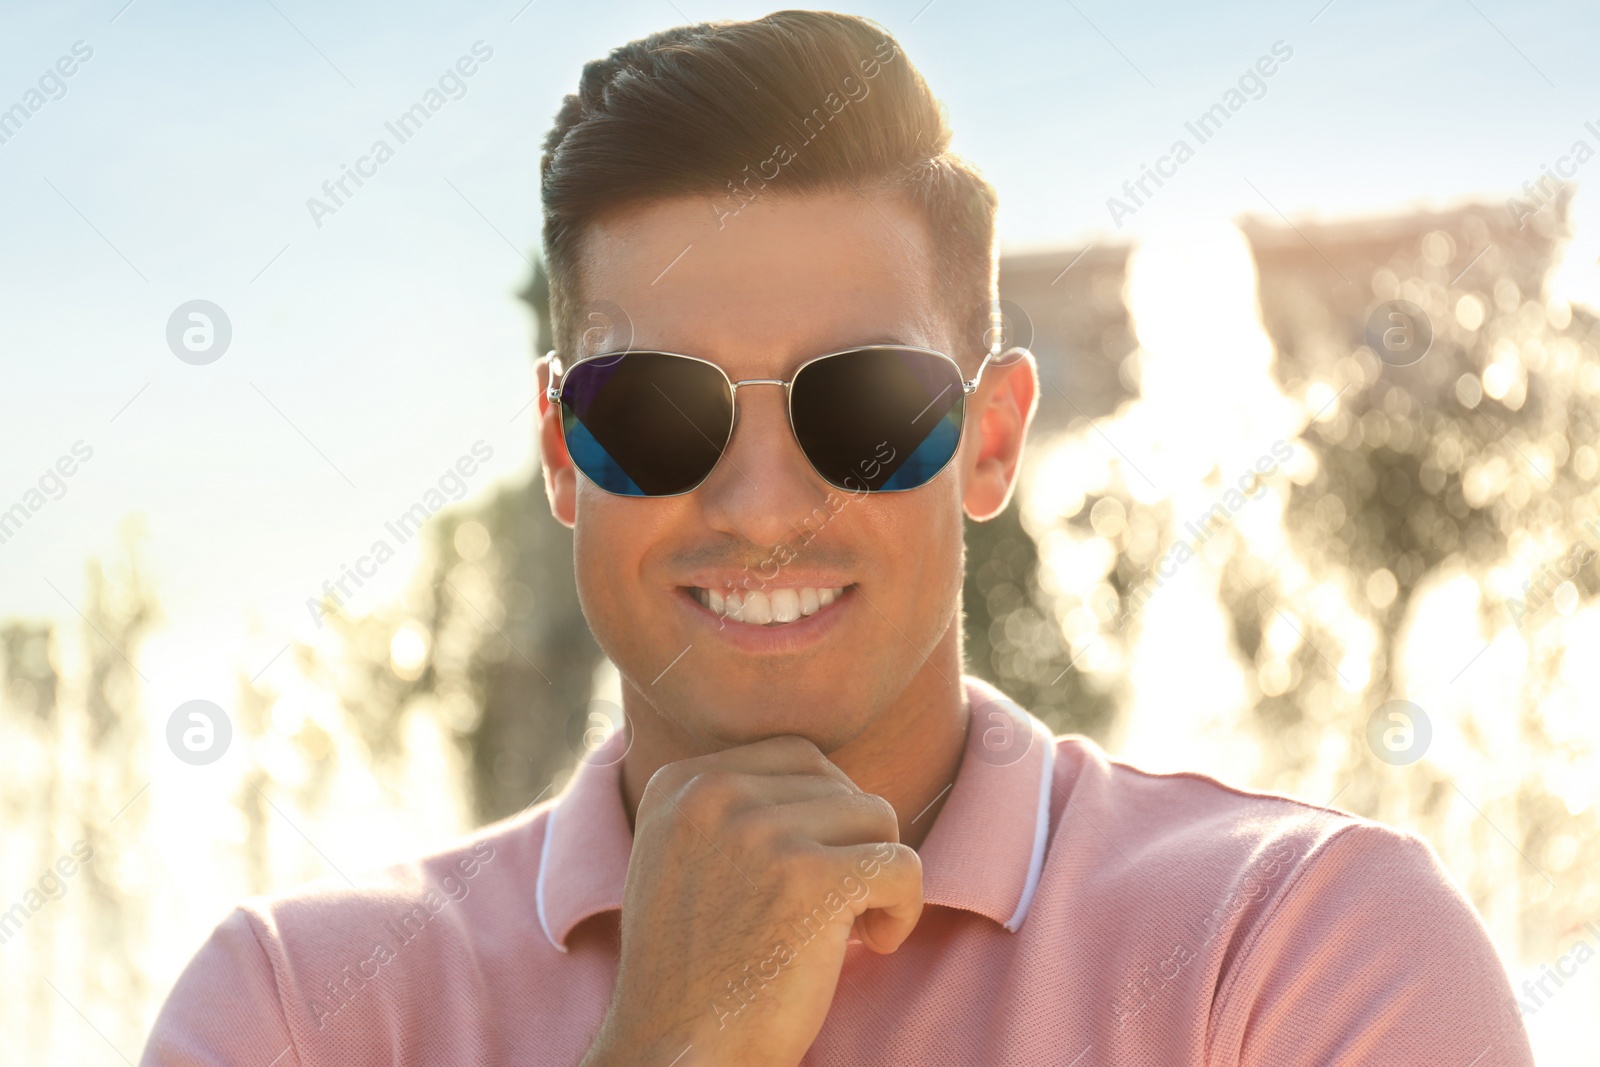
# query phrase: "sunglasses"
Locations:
[[878, 419]]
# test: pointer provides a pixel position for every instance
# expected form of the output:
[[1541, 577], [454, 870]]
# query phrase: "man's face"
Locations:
[[787, 279]]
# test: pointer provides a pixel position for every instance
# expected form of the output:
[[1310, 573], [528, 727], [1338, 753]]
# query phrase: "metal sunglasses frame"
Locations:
[[968, 387]]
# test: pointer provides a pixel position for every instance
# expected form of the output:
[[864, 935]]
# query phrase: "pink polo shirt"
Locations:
[[1080, 911]]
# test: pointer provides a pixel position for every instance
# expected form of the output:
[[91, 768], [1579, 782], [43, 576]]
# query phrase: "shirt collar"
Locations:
[[984, 853]]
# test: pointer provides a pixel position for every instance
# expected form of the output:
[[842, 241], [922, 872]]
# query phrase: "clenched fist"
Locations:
[[751, 870]]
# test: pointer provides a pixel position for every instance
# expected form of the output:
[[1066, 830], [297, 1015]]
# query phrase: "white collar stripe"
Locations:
[[1041, 825], [544, 865]]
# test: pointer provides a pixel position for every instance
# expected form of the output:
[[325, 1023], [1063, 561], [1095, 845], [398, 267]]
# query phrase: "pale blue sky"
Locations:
[[374, 351]]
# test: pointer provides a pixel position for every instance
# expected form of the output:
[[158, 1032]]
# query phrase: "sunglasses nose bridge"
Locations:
[[785, 417], [741, 383]]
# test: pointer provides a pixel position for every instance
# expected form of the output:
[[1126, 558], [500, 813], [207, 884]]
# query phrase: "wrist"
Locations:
[[613, 1047]]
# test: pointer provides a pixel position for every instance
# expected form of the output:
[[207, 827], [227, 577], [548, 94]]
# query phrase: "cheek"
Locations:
[[607, 543], [617, 553], [920, 542]]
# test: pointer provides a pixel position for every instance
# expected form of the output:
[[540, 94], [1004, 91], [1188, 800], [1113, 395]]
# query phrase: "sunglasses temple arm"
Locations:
[[970, 386]]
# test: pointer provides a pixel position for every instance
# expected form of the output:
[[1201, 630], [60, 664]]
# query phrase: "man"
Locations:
[[816, 841]]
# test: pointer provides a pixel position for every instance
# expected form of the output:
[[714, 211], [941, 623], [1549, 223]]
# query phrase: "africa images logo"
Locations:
[[1203, 128], [336, 592], [403, 929]]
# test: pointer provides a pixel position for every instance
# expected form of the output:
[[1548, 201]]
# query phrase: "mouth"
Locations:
[[771, 609]]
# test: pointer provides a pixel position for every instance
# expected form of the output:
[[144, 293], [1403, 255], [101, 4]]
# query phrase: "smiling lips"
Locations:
[[777, 608]]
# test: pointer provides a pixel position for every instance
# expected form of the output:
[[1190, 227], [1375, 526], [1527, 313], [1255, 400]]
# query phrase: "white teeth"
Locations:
[[776, 608], [785, 605], [757, 608]]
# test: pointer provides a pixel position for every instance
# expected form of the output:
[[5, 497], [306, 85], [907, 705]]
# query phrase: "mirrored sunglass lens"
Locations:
[[878, 418], [645, 423]]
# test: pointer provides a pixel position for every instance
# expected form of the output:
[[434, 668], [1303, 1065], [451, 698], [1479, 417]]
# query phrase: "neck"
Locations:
[[908, 754]]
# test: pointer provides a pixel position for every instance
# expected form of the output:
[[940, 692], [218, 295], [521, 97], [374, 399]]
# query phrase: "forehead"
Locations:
[[761, 288]]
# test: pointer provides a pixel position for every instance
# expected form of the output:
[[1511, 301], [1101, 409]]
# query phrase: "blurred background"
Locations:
[[1312, 504]]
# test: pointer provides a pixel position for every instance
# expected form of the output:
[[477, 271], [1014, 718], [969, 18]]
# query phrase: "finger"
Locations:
[[786, 754], [772, 790], [718, 801], [834, 819], [889, 912]]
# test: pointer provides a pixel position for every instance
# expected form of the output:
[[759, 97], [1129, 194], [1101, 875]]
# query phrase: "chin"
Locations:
[[724, 715]]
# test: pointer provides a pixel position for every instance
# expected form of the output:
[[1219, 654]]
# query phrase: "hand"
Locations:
[[751, 868]]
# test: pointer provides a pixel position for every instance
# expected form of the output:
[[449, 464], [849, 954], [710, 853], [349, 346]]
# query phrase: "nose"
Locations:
[[764, 486]]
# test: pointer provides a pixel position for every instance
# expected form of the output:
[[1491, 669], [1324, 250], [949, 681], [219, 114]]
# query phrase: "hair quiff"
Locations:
[[713, 109]]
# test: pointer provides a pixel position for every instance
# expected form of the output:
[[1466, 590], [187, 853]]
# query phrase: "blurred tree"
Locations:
[[1066, 306], [75, 767], [506, 654], [31, 788], [1412, 539], [1476, 462]]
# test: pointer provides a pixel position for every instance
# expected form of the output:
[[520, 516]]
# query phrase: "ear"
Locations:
[[999, 415], [560, 476]]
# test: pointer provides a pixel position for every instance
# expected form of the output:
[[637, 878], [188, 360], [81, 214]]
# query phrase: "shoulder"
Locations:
[[1310, 923], [482, 873], [1239, 875], [301, 968], [1228, 844], [1194, 823]]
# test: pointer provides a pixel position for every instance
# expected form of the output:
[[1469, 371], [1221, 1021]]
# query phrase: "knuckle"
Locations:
[[656, 802], [803, 752], [663, 782], [817, 762], [709, 795], [894, 860], [883, 810], [800, 864], [912, 864], [749, 831]]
